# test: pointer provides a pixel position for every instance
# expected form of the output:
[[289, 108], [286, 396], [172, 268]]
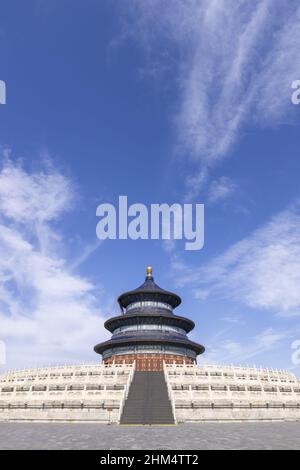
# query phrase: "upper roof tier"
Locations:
[[149, 291]]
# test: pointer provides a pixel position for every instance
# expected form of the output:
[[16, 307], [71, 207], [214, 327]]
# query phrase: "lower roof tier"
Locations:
[[142, 340], [142, 352]]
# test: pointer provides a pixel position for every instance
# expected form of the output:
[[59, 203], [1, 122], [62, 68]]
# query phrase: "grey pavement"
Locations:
[[276, 435]]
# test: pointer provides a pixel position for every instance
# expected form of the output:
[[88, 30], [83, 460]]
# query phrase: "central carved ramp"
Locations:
[[148, 401]]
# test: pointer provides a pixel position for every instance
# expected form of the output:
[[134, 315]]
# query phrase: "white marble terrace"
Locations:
[[220, 392], [198, 393]]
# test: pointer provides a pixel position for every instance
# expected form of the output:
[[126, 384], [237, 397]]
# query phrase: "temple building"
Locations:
[[148, 332], [149, 375]]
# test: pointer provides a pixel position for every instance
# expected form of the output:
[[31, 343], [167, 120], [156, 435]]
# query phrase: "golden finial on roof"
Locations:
[[149, 271]]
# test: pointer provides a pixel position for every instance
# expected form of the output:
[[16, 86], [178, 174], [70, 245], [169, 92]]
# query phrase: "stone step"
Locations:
[[148, 401]]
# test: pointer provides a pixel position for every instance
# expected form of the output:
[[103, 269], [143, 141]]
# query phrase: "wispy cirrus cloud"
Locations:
[[234, 64], [261, 271], [48, 313], [226, 350], [221, 189]]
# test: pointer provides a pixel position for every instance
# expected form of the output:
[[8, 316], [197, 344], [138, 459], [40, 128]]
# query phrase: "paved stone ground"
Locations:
[[185, 436]]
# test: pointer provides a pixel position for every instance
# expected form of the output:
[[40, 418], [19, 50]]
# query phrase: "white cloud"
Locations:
[[235, 62], [221, 189], [37, 198], [234, 319], [231, 351], [269, 338], [47, 313], [262, 271]]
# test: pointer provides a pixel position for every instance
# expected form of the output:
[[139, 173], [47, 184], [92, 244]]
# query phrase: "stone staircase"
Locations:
[[148, 401]]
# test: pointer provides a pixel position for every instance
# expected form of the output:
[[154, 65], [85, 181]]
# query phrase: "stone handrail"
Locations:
[[170, 393], [126, 391]]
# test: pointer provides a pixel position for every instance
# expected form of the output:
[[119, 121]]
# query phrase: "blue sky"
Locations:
[[184, 104]]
